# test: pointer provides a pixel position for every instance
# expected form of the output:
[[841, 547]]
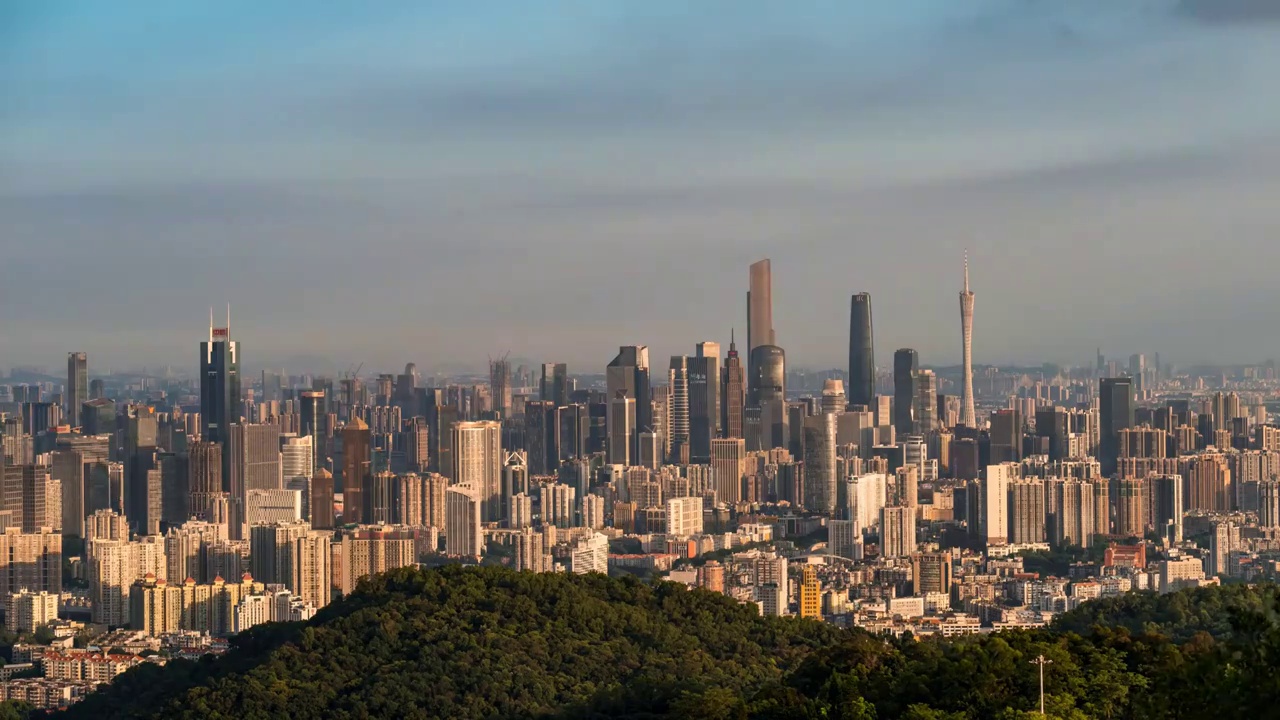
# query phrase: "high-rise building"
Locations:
[[312, 416], [704, 401], [759, 308], [220, 399], [77, 393], [931, 572], [995, 503], [464, 534], [312, 566], [810, 593], [478, 460], [369, 551], [357, 469], [733, 393], [1026, 511], [1073, 513], [897, 531], [1115, 405], [862, 366], [1130, 505], [820, 463], [967, 416], [677, 424], [554, 385], [627, 376], [684, 516], [906, 363], [1168, 507], [500, 386], [767, 393], [204, 468], [297, 458], [926, 406], [589, 554], [321, 500], [728, 465], [272, 551]]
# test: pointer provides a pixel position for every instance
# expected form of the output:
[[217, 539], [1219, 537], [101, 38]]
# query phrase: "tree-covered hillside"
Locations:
[[459, 642]]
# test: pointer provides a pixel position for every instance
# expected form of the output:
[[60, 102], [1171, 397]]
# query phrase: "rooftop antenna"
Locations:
[[229, 317], [966, 270]]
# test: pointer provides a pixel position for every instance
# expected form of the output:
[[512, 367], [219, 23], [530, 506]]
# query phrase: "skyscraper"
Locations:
[[464, 534], [356, 469], [906, 363], [704, 401], [967, 416], [478, 459], [1115, 410], [500, 386], [733, 388], [628, 376], [820, 463], [926, 405], [220, 403], [760, 306], [554, 386], [767, 394], [677, 425], [862, 366], [77, 386]]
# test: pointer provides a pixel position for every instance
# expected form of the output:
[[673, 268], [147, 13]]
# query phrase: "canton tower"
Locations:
[[966, 325]]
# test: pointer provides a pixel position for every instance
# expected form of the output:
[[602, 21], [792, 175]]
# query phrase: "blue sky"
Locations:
[[437, 182]]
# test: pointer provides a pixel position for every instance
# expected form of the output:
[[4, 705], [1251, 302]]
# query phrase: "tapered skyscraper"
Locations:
[[862, 366], [967, 416], [759, 311]]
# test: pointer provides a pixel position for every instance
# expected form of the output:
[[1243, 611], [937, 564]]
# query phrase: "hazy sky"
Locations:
[[439, 181]]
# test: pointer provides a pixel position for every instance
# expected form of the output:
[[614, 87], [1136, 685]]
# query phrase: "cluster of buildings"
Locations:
[[896, 498]]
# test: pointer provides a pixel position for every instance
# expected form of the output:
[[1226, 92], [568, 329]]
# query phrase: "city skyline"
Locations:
[[907, 133]]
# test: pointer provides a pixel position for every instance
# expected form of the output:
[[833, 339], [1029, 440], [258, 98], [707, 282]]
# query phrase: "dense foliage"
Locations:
[[459, 642]]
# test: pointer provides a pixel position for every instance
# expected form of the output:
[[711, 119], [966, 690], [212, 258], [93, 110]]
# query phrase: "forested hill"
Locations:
[[458, 642]]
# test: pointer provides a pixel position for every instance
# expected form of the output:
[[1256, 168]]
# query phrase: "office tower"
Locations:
[[71, 455], [862, 366], [312, 414], [906, 363], [926, 405], [767, 393], [1006, 436], [220, 401], [1054, 423], [627, 375], [759, 308], [677, 424], [704, 401], [1026, 511], [356, 469], [931, 573], [1168, 507], [810, 593], [541, 436], [321, 499], [271, 550], [995, 503], [897, 531], [622, 411], [733, 393], [1115, 406], [369, 551], [464, 534], [500, 386], [554, 385], [833, 399], [1073, 513], [98, 417], [967, 416], [820, 464], [77, 393], [478, 460], [204, 468], [256, 458], [272, 506], [297, 458], [515, 479], [728, 466]]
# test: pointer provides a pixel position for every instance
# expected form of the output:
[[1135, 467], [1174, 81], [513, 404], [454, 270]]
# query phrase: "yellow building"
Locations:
[[810, 594]]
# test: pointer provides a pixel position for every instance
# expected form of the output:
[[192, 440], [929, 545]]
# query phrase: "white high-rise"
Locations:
[[477, 458], [464, 535], [967, 416], [995, 501], [297, 458], [684, 516]]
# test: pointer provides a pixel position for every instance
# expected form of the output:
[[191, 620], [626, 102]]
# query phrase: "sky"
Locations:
[[439, 182]]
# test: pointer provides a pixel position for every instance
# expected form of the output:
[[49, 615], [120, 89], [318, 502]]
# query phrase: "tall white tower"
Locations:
[[967, 417]]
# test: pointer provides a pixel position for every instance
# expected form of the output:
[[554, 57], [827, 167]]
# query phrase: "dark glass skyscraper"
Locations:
[[1115, 410], [220, 403], [768, 394], [77, 393], [554, 386], [861, 389], [906, 363]]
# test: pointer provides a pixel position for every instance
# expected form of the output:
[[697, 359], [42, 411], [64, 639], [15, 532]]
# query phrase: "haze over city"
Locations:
[[441, 183]]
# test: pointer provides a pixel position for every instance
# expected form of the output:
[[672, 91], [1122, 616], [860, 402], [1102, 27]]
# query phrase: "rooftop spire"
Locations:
[[966, 270]]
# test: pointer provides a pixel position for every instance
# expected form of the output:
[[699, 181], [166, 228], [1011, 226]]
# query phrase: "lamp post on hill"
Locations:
[[1041, 661]]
